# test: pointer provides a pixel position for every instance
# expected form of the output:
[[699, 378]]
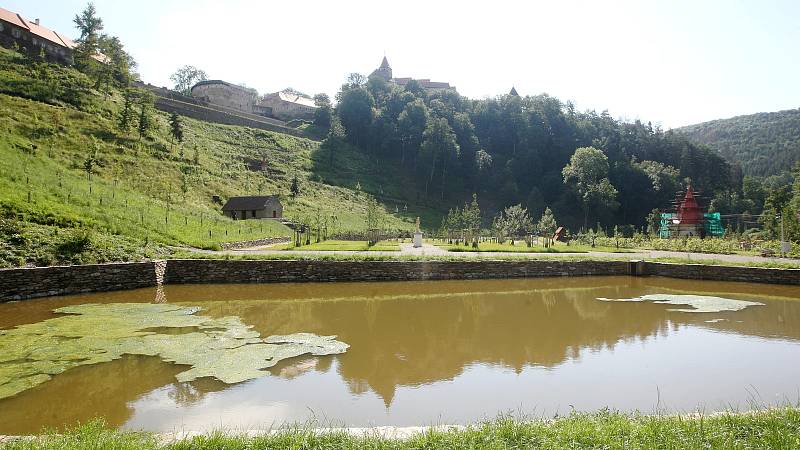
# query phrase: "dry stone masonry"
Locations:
[[17, 284]]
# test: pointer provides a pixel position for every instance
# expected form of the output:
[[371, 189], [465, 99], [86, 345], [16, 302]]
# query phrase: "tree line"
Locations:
[[535, 151]]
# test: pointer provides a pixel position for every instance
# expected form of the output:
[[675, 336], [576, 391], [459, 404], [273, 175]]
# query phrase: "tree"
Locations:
[[356, 114], [88, 23], [513, 221], [753, 190], [411, 125], [654, 222], [471, 217], [118, 65], [90, 26], [354, 81], [295, 188], [588, 170], [88, 164], [323, 113], [439, 146], [333, 140], [146, 123], [126, 115], [453, 222], [186, 77], [547, 225], [778, 208], [176, 128]]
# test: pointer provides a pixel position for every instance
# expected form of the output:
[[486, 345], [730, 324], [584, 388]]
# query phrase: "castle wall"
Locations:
[[229, 96]]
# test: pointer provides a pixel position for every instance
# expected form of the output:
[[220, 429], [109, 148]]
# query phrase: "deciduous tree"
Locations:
[[439, 147], [588, 171], [186, 77]]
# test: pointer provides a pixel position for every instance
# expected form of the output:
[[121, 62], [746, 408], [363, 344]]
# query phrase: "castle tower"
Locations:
[[513, 92], [384, 71]]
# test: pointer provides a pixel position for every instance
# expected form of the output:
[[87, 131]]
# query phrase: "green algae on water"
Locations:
[[224, 348], [698, 303]]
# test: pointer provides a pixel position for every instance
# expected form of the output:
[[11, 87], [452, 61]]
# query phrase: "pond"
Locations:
[[441, 352]]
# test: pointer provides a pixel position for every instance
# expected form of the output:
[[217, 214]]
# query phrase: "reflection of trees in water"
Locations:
[[438, 340], [191, 393], [185, 394], [415, 333]]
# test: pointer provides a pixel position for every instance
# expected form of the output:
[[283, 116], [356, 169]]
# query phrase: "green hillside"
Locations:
[[763, 144], [73, 188]]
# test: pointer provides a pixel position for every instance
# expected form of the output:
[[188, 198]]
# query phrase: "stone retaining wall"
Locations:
[[268, 271], [723, 273], [214, 115], [254, 243], [16, 284]]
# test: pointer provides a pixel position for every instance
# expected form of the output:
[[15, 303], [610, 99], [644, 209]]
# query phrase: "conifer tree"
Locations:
[[126, 117], [295, 188], [176, 128]]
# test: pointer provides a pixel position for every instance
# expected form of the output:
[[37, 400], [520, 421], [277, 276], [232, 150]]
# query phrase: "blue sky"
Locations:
[[670, 62]]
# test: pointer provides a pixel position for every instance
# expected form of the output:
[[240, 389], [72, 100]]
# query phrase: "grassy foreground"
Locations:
[[768, 429]]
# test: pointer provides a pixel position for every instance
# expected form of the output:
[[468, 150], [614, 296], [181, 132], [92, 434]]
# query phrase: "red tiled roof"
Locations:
[[11, 17], [37, 30], [67, 41], [44, 33]]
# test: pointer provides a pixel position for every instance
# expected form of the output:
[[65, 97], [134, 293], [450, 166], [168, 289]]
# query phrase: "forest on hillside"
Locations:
[[764, 144], [522, 150]]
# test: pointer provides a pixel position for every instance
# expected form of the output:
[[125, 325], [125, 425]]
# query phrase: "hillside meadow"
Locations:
[[75, 189]]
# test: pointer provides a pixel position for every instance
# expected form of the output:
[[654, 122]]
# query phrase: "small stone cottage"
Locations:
[[254, 207]]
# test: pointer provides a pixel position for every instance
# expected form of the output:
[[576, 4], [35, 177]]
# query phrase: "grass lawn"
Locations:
[[337, 245], [777, 428], [454, 256], [520, 247]]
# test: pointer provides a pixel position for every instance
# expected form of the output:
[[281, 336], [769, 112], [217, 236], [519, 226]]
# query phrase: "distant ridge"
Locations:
[[763, 144]]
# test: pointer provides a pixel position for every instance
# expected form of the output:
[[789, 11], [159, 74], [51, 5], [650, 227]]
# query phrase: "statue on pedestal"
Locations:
[[418, 236]]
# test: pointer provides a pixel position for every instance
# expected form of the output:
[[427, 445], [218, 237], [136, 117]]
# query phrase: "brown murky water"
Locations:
[[442, 352]]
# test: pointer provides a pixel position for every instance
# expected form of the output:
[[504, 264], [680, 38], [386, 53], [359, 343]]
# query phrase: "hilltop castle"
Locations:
[[385, 71]]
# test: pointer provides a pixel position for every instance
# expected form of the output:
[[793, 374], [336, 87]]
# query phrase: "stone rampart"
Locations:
[[218, 116]]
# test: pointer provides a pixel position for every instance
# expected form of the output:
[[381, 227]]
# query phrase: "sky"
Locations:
[[671, 62]]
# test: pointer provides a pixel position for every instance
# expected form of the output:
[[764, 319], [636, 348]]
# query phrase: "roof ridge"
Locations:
[[61, 38], [24, 22]]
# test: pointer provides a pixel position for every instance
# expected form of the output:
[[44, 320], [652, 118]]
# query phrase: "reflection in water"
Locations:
[[445, 351]]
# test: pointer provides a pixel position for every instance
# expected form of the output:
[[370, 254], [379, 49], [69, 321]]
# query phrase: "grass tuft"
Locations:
[[777, 428]]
